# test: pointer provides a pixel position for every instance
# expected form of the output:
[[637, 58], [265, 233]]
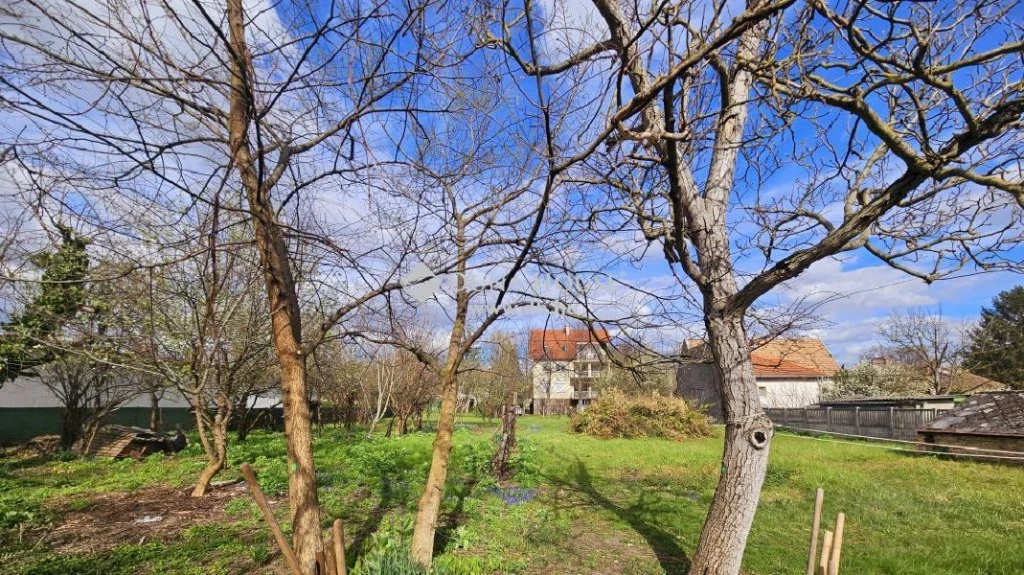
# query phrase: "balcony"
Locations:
[[587, 394]]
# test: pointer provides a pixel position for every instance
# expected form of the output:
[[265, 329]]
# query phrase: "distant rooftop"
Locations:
[[782, 357], [562, 344], [996, 414]]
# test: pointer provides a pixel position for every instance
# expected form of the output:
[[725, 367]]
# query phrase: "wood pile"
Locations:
[[119, 441]]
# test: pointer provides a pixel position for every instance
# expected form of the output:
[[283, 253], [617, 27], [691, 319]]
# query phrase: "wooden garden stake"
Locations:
[[826, 546], [819, 498], [837, 545], [329, 561], [261, 502], [339, 547]]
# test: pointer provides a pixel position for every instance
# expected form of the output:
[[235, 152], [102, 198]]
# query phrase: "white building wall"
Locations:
[[558, 375], [30, 392], [790, 392]]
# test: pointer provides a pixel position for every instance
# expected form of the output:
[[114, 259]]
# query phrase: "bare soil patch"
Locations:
[[158, 513]]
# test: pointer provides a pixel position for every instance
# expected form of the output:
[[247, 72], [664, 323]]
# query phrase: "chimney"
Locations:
[[566, 328]]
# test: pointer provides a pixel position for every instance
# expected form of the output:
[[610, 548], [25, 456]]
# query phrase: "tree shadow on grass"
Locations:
[[450, 521], [393, 493], [668, 552]]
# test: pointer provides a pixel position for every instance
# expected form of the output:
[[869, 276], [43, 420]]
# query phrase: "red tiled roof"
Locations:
[[561, 344]]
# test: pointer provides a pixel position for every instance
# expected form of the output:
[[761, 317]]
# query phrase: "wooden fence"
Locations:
[[888, 422]]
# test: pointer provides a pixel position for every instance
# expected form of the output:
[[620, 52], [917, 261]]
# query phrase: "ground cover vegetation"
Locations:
[[576, 504]]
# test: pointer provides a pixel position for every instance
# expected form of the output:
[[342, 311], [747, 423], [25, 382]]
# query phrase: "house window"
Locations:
[[762, 392]]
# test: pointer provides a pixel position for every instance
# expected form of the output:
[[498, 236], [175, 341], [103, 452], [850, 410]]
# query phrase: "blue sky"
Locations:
[[860, 289]]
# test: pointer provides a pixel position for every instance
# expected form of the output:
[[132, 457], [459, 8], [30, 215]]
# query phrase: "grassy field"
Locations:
[[580, 505]]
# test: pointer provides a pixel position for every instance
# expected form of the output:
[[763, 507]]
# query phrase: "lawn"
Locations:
[[581, 505]]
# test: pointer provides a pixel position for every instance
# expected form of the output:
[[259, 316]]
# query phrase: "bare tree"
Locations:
[[927, 344], [89, 392], [415, 388], [380, 388], [207, 330], [749, 142], [336, 376], [508, 383], [280, 103]]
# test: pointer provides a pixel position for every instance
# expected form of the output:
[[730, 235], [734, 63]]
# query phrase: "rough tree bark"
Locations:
[[284, 305], [430, 503], [748, 433], [217, 449]]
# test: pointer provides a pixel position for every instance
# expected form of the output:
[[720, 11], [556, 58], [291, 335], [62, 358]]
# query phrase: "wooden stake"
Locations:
[[837, 545], [819, 498], [826, 546], [331, 570], [268, 515], [339, 547]]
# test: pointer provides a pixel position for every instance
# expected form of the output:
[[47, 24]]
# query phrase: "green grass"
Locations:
[[601, 506]]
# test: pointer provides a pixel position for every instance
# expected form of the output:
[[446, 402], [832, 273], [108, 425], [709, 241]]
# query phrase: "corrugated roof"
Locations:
[[999, 414], [561, 344]]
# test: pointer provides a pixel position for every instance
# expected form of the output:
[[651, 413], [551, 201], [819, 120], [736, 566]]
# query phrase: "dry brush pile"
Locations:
[[615, 414]]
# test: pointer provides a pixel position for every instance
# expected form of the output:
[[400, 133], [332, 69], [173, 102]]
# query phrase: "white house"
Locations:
[[566, 363], [790, 372]]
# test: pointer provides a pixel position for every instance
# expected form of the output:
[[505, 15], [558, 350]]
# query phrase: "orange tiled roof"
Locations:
[[784, 357], [561, 344], [805, 356]]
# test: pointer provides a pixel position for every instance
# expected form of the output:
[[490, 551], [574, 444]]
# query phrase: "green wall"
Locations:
[[19, 424]]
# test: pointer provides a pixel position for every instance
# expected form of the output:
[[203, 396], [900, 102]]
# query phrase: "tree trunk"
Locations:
[[506, 444], [214, 465], [217, 452], [155, 419], [507, 441], [748, 433], [350, 413], [430, 502], [71, 421], [302, 491], [285, 316], [245, 424]]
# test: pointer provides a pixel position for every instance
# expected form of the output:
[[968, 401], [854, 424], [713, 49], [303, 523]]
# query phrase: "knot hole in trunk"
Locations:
[[759, 438]]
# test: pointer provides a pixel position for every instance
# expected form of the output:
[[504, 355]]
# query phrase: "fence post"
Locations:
[[828, 415], [892, 422], [856, 418]]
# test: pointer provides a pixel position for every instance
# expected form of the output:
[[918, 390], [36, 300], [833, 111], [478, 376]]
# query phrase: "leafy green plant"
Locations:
[[242, 507], [13, 518], [461, 538], [272, 473]]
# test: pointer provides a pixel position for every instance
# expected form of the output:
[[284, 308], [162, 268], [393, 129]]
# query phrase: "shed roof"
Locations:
[[999, 414]]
